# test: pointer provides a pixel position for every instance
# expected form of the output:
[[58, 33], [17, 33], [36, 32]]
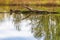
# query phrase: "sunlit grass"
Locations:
[[30, 2], [58, 9]]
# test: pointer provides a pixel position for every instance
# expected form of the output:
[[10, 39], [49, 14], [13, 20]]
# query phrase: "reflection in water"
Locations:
[[39, 27], [16, 20]]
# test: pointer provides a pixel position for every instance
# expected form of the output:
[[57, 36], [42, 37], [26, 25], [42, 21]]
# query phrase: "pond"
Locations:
[[29, 26]]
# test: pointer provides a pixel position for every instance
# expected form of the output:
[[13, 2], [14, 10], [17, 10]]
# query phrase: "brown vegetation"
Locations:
[[29, 1]]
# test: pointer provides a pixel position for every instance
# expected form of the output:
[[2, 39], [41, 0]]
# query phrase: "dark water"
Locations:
[[29, 26]]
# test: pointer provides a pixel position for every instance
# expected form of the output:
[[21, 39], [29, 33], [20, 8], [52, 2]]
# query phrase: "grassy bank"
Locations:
[[30, 2]]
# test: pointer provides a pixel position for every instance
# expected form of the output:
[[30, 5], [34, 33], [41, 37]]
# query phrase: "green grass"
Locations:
[[58, 9]]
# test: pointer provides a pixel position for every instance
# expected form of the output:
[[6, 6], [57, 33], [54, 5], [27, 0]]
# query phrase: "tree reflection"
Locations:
[[17, 19], [47, 25], [42, 25], [1, 17]]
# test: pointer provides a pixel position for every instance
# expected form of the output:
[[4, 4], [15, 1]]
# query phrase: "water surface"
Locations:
[[29, 26]]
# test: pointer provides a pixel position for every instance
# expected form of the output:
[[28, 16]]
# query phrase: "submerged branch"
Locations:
[[31, 10]]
